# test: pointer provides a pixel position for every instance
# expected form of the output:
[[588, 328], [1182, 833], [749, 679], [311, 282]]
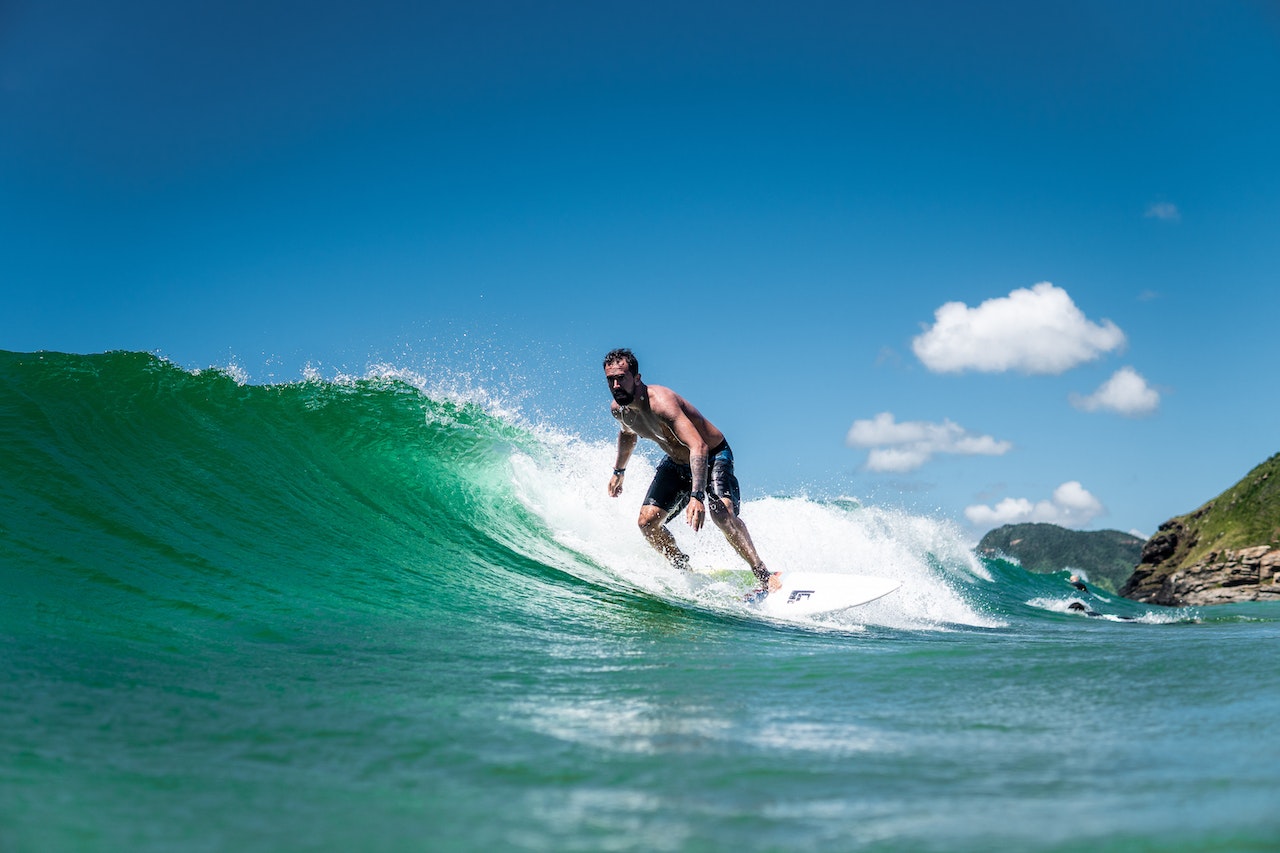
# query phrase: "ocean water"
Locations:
[[366, 615]]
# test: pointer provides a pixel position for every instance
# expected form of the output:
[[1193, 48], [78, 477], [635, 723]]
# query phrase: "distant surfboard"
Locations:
[[814, 593]]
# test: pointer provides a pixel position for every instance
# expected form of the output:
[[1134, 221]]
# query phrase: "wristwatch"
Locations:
[[699, 496]]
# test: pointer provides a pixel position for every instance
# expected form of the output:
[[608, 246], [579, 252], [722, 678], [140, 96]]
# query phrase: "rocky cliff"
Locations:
[[1227, 550], [1246, 574]]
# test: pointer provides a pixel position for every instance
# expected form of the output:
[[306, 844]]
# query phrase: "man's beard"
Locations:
[[622, 397]]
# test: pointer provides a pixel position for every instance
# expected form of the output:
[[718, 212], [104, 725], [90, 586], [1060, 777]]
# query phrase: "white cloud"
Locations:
[[908, 445], [1036, 330], [1163, 210], [1125, 392], [1070, 506]]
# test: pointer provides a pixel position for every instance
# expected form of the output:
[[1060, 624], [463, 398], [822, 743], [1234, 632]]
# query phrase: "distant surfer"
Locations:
[[696, 474], [1081, 607], [1075, 581]]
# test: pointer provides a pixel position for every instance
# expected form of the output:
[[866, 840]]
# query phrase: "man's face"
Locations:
[[622, 382]]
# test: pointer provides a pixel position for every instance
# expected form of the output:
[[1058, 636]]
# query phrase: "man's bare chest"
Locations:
[[650, 425]]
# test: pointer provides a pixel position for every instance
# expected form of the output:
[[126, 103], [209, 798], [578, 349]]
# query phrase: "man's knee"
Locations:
[[651, 517], [721, 511]]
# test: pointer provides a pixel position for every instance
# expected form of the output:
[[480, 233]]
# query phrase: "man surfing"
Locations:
[[696, 474]]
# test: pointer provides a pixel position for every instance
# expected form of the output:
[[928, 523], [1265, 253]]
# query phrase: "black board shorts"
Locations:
[[673, 481]]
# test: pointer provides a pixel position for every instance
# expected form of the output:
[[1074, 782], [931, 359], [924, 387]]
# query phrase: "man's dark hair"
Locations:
[[623, 355]]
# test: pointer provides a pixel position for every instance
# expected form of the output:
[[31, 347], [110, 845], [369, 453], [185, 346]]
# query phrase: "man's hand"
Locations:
[[695, 513], [615, 485]]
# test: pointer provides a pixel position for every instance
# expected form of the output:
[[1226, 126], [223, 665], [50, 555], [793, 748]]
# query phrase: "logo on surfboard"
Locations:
[[799, 595]]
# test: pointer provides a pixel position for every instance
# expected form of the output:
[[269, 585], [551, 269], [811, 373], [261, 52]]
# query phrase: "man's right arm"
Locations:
[[626, 443]]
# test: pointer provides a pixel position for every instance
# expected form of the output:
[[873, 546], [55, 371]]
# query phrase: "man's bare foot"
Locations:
[[773, 584], [769, 581]]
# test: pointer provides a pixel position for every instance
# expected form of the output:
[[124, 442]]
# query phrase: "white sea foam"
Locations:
[[566, 487], [1059, 604]]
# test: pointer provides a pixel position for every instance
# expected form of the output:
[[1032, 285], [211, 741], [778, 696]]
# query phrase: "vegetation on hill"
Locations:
[[1244, 516], [1106, 556]]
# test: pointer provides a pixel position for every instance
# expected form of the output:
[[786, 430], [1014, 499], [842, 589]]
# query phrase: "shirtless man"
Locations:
[[696, 474]]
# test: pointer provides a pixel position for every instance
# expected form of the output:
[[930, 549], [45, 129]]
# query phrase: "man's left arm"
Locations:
[[696, 512]]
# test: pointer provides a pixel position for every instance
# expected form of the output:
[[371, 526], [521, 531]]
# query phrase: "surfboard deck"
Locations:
[[811, 593]]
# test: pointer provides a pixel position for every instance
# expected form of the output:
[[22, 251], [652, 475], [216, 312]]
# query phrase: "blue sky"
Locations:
[[987, 261]]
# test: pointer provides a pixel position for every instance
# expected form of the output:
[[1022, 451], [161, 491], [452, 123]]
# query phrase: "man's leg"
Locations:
[[735, 530], [653, 524], [663, 499]]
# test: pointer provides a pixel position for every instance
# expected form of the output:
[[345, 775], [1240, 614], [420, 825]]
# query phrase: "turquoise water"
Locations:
[[367, 615]]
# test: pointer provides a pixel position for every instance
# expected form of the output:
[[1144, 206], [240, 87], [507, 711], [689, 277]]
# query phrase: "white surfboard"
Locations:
[[807, 593], [813, 593]]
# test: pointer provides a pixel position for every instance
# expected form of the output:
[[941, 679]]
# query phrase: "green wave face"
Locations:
[[135, 490]]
